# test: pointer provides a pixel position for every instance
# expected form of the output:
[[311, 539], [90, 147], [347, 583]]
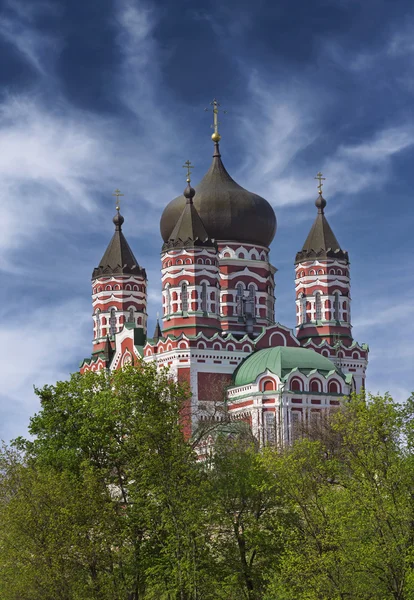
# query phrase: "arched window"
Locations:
[[318, 306], [112, 322], [167, 301], [314, 386], [131, 315], [296, 385], [302, 309], [270, 304], [268, 385], [254, 257], [251, 300], [333, 387], [336, 306], [184, 297], [98, 323], [241, 255], [204, 297], [239, 289]]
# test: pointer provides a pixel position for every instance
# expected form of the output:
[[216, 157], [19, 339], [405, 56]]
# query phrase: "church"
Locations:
[[219, 332]]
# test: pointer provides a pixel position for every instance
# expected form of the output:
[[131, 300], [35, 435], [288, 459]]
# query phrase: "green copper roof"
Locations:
[[281, 361]]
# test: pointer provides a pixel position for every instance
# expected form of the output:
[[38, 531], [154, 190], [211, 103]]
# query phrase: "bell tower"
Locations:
[[323, 298], [119, 289]]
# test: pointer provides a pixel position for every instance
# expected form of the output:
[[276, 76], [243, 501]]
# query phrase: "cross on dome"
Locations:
[[215, 104], [187, 165], [320, 179], [117, 193]]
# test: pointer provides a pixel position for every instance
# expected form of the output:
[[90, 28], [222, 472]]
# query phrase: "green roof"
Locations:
[[281, 361]]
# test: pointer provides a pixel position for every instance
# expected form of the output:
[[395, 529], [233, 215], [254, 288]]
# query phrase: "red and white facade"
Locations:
[[218, 309]]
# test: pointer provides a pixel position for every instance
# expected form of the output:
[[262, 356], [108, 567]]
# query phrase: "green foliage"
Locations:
[[109, 502]]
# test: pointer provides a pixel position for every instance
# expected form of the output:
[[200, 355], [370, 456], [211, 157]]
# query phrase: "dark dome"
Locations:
[[228, 211]]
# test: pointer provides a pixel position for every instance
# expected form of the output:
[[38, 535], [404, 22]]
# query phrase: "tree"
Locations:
[[123, 432], [352, 491]]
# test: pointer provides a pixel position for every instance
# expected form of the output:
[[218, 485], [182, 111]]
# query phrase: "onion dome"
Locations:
[[118, 258], [321, 241], [281, 361], [228, 211], [189, 230]]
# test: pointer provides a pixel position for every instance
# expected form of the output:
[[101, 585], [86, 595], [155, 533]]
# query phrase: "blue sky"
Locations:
[[98, 95]]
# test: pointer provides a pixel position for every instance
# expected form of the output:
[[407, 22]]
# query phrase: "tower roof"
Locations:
[[227, 210], [189, 230], [321, 241], [118, 258]]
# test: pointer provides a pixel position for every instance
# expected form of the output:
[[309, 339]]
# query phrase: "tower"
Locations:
[[119, 290], [190, 275], [243, 225], [323, 298]]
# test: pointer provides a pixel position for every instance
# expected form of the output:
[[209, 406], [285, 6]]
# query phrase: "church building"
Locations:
[[219, 330]]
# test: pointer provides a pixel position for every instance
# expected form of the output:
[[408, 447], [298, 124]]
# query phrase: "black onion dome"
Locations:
[[228, 211]]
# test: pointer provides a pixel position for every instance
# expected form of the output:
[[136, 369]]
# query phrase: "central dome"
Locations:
[[228, 211]]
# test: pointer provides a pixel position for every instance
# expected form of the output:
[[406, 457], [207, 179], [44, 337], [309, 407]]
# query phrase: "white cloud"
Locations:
[[35, 348]]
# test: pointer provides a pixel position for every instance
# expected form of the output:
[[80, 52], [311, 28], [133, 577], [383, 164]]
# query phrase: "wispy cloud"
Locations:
[[18, 27], [37, 349]]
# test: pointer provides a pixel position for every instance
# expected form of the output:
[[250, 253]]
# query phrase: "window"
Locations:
[[333, 387], [270, 304], [318, 306], [239, 289], [302, 309], [98, 323], [296, 385], [167, 301], [270, 429], [204, 297], [112, 322], [268, 385], [131, 315], [314, 386], [336, 306], [251, 301], [184, 297]]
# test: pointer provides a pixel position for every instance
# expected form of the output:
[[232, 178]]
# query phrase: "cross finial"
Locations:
[[117, 193], [187, 165], [216, 136], [320, 179]]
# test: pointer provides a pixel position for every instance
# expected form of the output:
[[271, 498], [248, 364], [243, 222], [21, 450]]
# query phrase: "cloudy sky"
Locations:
[[111, 93]]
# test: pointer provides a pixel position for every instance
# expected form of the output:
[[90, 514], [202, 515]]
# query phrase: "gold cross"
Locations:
[[216, 136], [117, 193], [320, 179], [187, 165]]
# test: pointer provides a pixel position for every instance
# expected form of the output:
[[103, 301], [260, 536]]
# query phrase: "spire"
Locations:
[[118, 257], [189, 230], [157, 332], [321, 241], [108, 351]]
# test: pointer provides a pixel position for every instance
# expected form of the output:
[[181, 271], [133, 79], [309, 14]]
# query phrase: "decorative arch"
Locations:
[[268, 385], [333, 387], [315, 385], [277, 339], [296, 384]]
